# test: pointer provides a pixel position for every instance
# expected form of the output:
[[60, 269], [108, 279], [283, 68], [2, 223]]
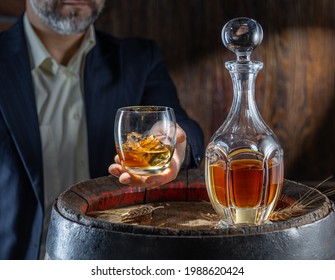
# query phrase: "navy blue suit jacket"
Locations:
[[117, 73]]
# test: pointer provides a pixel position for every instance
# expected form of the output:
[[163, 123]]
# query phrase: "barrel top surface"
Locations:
[[106, 192]]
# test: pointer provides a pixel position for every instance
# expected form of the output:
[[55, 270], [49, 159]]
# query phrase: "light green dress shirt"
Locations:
[[61, 114]]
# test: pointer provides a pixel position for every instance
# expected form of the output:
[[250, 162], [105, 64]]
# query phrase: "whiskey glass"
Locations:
[[145, 138]]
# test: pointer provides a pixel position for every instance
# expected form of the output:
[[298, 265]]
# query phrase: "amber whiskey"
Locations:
[[144, 154], [246, 186]]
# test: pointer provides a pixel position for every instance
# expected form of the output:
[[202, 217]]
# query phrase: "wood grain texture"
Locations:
[[9, 11], [295, 91], [12, 8]]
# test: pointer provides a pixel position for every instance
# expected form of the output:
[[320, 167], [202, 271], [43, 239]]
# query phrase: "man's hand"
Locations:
[[166, 176]]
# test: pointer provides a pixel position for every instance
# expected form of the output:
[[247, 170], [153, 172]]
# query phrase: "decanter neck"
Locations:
[[244, 108]]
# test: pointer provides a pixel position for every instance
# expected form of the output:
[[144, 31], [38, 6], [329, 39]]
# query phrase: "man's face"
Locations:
[[67, 17]]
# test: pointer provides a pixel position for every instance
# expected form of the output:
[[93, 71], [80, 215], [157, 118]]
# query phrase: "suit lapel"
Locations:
[[17, 104], [101, 100]]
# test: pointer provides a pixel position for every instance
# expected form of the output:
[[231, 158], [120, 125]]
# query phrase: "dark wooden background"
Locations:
[[295, 91]]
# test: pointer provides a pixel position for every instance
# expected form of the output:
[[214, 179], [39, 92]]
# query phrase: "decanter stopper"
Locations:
[[242, 36]]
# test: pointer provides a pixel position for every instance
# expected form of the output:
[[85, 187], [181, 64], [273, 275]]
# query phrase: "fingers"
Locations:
[[117, 159], [165, 177], [153, 181], [180, 149], [124, 177], [180, 135], [115, 170]]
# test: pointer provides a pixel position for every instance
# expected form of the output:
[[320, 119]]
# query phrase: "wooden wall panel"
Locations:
[[9, 11], [295, 91]]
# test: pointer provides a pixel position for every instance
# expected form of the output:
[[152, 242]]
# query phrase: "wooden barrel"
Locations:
[[75, 234]]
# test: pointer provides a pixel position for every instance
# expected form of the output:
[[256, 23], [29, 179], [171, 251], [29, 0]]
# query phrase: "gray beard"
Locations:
[[64, 25]]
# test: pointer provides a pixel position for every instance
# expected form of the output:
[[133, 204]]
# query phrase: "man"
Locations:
[[61, 83]]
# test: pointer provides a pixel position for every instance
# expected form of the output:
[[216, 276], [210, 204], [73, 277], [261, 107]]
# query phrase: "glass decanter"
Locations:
[[244, 167]]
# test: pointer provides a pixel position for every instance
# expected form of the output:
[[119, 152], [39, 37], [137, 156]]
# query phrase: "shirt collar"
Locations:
[[37, 51], [40, 57]]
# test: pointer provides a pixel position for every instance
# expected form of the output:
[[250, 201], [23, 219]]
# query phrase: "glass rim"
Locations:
[[145, 108]]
